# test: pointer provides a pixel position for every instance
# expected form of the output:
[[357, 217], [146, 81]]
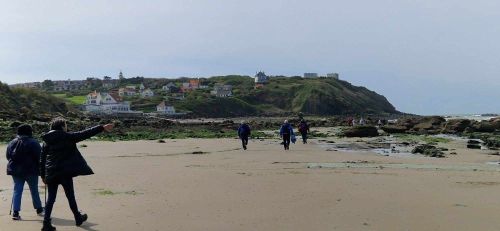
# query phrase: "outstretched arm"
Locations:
[[85, 134]]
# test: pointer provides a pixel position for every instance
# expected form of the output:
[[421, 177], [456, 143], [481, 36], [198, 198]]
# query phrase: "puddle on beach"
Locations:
[[385, 149]]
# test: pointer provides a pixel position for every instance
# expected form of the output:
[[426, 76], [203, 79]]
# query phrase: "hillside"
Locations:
[[26, 103], [319, 96]]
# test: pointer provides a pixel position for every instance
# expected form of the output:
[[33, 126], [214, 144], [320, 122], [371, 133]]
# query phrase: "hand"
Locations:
[[108, 127]]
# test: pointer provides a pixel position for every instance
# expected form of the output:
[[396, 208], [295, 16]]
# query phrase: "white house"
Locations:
[[222, 90], [105, 102], [127, 91], [147, 93], [166, 109]]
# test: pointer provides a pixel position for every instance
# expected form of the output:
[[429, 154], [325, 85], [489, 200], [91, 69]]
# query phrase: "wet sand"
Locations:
[[146, 185]]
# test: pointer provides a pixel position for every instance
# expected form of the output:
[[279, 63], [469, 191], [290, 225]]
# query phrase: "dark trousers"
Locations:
[[244, 141], [69, 190], [286, 140], [304, 137]]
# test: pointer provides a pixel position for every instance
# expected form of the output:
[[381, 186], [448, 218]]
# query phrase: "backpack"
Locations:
[[302, 127], [13, 152]]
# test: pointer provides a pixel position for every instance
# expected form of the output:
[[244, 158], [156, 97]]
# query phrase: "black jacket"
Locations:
[[60, 157], [23, 154]]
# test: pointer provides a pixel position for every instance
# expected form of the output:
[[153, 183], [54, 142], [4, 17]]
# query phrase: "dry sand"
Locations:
[[145, 185]]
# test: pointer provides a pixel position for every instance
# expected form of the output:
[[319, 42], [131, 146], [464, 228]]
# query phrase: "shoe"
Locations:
[[15, 216], [244, 147], [47, 226], [40, 212], [80, 219]]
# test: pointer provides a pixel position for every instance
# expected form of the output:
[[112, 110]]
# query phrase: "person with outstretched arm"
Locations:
[[244, 132], [60, 161], [23, 154]]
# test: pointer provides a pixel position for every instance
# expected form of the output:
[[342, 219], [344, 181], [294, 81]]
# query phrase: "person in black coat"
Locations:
[[23, 154], [60, 161]]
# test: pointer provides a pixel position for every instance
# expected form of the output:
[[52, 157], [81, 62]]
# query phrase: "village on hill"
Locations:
[[139, 95]]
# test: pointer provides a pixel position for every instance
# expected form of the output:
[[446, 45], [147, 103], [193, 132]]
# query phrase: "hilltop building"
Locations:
[[222, 90], [310, 75], [69, 85], [147, 93], [105, 103], [261, 79], [126, 91], [333, 75]]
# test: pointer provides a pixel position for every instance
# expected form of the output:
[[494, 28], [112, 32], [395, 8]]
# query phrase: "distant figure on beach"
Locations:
[[286, 132], [244, 132], [304, 129], [354, 122], [23, 154], [361, 121], [60, 161]]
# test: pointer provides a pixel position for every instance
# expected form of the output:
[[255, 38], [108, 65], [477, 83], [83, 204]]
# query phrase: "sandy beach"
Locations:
[[146, 185]]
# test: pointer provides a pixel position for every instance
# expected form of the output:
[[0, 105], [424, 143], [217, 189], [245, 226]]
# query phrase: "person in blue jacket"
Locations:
[[23, 154], [286, 132], [244, 132]]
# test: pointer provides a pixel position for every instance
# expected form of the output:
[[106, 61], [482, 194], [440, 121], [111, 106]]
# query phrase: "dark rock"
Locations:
[[483, 126], [456, 125], [474, 146], [361, 131], [473, 142], [394, 129], [495, 122], [428, 150]]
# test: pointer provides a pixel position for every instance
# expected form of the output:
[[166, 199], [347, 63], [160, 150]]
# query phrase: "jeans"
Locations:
[[67, 184], [18, 191]]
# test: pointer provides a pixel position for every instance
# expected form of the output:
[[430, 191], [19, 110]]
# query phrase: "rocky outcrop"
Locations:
[[394, 129], [361, 131], [428, 150], [456, 126]]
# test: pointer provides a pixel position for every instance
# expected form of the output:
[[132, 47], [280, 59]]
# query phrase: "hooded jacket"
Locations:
[[23, 154], [60, 157]]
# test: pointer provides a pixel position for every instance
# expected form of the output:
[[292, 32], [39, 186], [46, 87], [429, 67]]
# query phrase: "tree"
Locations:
[[47, 85]]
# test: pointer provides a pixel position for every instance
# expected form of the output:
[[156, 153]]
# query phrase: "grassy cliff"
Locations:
[[318, 96], [26, 103]]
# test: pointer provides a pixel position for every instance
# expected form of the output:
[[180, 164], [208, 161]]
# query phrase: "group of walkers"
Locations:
[[56, 162], [286, 133]]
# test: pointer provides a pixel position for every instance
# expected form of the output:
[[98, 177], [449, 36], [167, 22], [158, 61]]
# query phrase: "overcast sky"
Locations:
[[426, 57]]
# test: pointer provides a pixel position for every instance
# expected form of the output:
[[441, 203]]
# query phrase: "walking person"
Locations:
[[286, 131], [244, 132], [60, 161], [304, 130], [23, 154]]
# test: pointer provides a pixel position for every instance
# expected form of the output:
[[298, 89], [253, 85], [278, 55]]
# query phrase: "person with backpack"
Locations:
[[60, 161], [303, 129], [244, 132], [286, 133], [23, 154]]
